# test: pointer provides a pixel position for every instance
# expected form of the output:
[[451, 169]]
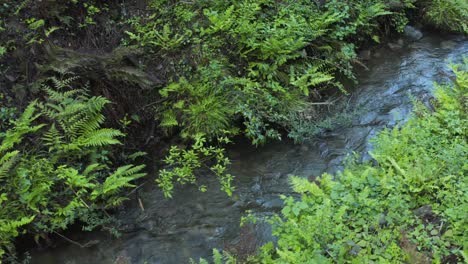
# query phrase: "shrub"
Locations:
[[449, 15], [248, 66], [63, 174], [409, 208]]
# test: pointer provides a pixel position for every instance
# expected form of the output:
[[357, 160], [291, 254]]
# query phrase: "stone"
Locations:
[[448, 44], [355, 250], [379, 52], [423, 211], [383, 221], [256, 188], [273, 204], [365, 55], [412, 33], [304, 148], [395, 46], [122, 259]]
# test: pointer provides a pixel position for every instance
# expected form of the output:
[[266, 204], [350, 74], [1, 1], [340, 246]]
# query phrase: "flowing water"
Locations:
[[192, 223]]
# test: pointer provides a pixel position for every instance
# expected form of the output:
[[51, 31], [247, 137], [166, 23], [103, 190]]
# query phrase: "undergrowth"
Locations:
[[56, 168], [410, 208], [193, 73]]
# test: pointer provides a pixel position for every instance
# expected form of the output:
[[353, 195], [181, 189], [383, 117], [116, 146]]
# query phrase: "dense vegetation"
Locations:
[[87, 85], [64, 173], [407, 206], [411, 207]]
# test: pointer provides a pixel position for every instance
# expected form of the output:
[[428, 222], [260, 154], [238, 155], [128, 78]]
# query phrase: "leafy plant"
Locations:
[[184, 163], [408, 208], [448, 14], [64, 176]]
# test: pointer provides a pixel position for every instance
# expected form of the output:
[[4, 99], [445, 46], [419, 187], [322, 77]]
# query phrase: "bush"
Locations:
[[449, 15], [247, 67], [410, 208], [55, 169]]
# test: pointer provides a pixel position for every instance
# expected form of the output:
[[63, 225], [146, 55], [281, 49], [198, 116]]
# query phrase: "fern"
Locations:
[[78, 118], [60, 176], [22, 127], [118, 180], [99, 138], [7, 161]]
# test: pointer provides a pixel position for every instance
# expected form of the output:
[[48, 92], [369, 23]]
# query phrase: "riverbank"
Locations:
[[95, 93], [191, 224]]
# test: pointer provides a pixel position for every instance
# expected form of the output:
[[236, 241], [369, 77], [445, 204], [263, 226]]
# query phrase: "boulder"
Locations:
[[412, 33]]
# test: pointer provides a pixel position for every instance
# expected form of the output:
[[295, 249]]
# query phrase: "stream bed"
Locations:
[[192, 223]]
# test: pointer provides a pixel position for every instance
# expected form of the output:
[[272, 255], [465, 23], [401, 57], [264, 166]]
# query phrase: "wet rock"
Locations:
[[379, 52], [273, 204], [365, 55], [366, 157], [200, 207], [395, 46], [324, 150], [369, 118], [448, 44], [256, 188], [355, 250], [219, 231], [383, 221], [123, 259], [424, 211], [240, 204], [400, 42], [304, 148], [273, 176], [428, 100], [412, 33], [150, 226]]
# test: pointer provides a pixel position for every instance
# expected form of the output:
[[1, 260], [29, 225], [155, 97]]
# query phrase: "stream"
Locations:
[[192, 223]]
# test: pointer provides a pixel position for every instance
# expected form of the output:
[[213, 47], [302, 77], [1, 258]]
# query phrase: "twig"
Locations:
[[88, 244], [141, 205], [322, 103], [135, 189]]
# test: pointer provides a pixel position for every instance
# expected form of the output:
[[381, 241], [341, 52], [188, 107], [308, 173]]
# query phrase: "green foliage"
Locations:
[[3, 51], [184, 163], [64, 173], [257, 61], [7, 114], [308, 124], [218, 258], [410, 208], [449, 15], [249, 66], [198, 110]]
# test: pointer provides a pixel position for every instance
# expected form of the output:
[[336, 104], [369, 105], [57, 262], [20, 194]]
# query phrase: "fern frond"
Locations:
[[22, 127], [60, 96], [119, 179], [101, 137], [136, 155], [61, 84], [7, 162], [52, 137], [303, 185], [92, 168], [97, 103]]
